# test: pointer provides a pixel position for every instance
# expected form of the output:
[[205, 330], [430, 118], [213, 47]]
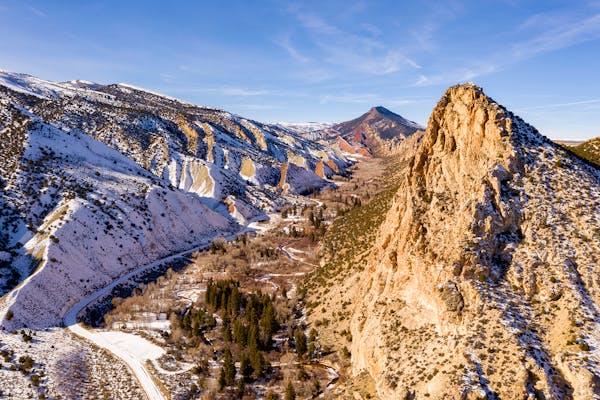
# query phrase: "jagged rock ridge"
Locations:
[[483, 280]]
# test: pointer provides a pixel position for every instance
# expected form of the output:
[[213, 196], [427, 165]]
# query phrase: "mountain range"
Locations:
[[478, 277], [98, 179]]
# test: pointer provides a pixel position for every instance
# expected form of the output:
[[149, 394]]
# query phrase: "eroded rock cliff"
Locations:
[[483, 280]]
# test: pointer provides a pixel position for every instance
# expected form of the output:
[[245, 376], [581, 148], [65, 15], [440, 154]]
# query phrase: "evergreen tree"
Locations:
[[311, 349], [253, 336], [268, 324], [246, 367], [221, 380], [226, 330], [228, 368], [240, 333], [257, 362], [241, 388], [300, 341], [272, 396], [290, 392]]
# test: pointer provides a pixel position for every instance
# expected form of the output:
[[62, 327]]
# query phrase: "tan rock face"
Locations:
[[320, 169], [190, 134], [468, 278]]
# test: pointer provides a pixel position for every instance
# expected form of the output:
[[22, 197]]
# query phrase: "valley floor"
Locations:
[[141, 349]]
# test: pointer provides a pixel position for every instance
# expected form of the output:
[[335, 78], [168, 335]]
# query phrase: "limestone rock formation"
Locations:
[[483, 282]]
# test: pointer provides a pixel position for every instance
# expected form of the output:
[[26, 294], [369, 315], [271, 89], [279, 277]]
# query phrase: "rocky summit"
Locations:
[[483, 281], [379, 131]]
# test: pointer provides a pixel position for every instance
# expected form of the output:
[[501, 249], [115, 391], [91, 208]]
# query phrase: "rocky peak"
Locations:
[[467, 154], [379, 130], [380, 110], [471, 253]]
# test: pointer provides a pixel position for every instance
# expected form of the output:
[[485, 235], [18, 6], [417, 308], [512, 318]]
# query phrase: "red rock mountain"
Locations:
[[379, 131]]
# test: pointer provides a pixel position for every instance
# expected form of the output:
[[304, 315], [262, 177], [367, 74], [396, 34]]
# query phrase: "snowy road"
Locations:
[[132, 349]]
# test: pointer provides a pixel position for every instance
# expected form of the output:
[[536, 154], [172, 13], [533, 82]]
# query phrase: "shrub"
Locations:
[[35, 380], [272, 396]]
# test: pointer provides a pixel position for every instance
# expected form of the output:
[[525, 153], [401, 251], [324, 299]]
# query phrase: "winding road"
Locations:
[[118, 344], [134, 350]]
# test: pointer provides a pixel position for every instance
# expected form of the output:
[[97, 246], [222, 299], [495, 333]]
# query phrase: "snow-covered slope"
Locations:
[[98, 179], [309, 130], [82, 214]]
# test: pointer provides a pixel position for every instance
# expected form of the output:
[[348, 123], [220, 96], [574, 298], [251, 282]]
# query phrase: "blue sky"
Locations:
[[323, 60]]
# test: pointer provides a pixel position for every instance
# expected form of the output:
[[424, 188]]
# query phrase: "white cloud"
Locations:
[[36, 11], [285, 43], [560, 32], [350, 50]]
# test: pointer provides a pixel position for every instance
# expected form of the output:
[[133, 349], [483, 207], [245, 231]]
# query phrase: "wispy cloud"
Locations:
[[356, 98], [285, 43], [425, 36], [36, 11], [167, 78], [368, 99], [560, 32], [457, 75], [242, 92], [358, 52], [590, 102], [257, 106], [235, 91], [547, 32], [371, 29], [230, 91]]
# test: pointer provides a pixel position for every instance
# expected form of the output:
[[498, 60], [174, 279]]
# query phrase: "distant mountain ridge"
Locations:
[[377, 132]]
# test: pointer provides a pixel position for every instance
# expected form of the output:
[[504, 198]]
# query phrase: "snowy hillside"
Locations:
[[98, 179], [81, 214], [309, 130]]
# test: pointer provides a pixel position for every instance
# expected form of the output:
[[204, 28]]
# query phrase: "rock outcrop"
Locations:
[[483, 280]]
